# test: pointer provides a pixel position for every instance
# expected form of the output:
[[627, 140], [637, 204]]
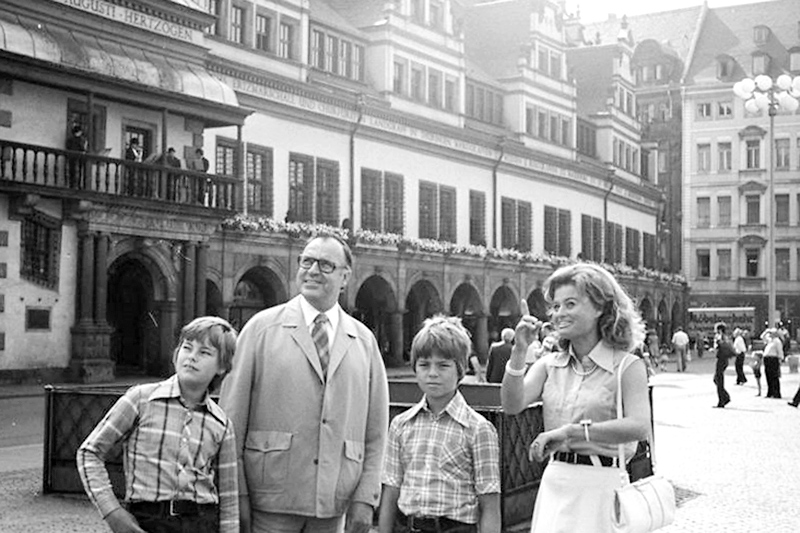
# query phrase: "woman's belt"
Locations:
[[580, 459]]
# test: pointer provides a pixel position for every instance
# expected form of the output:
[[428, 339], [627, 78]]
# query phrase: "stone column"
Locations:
[[482, 336], [396, 338], [101, 279], [189, 268], [200, 279], [87, 280]]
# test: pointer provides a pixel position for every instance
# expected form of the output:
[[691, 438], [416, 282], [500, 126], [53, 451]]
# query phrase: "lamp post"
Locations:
[[762, 94]]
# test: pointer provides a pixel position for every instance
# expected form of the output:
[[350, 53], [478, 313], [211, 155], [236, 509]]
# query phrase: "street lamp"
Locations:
[[762, 94]]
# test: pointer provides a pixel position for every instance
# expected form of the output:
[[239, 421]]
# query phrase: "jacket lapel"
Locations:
[[295, 322], [345, 335]]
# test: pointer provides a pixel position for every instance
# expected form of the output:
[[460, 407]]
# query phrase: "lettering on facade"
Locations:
[[135, 18]]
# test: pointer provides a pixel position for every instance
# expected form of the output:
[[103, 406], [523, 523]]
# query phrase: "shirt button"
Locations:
[[316, 461], [324, 420]]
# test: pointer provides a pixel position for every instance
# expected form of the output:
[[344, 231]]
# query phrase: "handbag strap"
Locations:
[[620, 447]]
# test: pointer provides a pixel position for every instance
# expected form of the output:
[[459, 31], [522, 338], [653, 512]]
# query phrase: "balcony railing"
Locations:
[[61, 169]]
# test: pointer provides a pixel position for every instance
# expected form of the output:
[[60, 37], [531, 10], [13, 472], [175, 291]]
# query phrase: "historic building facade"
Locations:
[[460, 188]]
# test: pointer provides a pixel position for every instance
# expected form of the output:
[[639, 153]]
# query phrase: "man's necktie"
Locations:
[[320, 335]]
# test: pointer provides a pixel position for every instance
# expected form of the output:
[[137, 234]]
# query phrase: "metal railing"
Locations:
[[62, 169]]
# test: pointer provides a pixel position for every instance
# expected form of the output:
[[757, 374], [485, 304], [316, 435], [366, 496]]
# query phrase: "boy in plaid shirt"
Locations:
[[179, 449], [441, 471]]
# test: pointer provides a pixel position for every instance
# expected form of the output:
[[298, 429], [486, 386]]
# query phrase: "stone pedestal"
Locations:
[[91, 351]]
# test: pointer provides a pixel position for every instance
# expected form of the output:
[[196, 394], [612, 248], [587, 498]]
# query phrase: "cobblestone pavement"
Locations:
[[735, 470]]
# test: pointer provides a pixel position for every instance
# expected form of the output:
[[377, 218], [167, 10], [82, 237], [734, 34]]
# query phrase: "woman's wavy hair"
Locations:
[[620, 325]]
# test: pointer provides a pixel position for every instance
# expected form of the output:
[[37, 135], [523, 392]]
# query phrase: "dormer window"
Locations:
[[794, 60], [725, 67], [760, 64], [437, 15], [760, 34]]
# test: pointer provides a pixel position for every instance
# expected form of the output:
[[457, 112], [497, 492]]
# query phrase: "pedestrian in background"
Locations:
[[309, 400], [598, 327], [773, 356], [680, 344], [498, 356], [178, 446], [725, 352], [740, 348], [442, 467], [78, 143]]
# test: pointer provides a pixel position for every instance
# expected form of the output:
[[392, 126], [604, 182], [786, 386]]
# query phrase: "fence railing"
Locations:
[[72, 411], [51, 167]]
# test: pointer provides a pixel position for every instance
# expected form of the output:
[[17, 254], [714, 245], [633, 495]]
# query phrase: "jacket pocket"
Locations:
[[350, 473], [267, 453]]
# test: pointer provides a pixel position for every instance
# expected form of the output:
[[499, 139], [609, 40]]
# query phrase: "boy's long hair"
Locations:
[[620, 325], [444, 336], [218, 333]]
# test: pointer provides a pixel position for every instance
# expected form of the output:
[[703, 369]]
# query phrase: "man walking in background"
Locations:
[[680, 344]]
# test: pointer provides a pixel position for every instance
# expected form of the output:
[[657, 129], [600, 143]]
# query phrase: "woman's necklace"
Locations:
[[573, 364]]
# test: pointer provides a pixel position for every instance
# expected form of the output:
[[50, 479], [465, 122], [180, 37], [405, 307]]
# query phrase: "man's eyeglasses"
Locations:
[[326, 267]]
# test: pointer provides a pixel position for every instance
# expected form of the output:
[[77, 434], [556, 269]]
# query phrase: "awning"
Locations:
[[97, 55]]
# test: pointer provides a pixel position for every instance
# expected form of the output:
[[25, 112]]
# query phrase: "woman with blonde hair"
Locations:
[[598, 327]]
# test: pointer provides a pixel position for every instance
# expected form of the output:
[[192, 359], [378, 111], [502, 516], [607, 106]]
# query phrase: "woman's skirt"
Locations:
[[575, 498]]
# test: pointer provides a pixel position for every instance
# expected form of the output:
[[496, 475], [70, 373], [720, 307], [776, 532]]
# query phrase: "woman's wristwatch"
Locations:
[[586, 422]]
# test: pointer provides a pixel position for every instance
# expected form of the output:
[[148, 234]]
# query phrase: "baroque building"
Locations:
[[461, 167]]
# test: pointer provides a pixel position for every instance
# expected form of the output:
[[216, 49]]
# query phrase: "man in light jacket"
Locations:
[[309, 402]]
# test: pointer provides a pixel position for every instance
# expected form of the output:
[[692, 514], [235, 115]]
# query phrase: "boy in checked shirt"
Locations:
[[441, 472], [179, 448]]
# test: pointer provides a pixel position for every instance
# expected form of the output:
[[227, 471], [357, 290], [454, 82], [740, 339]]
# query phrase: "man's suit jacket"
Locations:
[[499, 354], [307, 445]]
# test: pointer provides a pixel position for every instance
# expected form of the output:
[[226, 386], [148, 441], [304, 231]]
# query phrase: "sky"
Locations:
[[598, 10]]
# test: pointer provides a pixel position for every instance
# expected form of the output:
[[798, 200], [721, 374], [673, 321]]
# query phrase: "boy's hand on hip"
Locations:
[[121, 521]]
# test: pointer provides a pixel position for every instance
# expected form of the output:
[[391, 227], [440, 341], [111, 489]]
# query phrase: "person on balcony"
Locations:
[[77, 142], [134, 153], [598, 327]]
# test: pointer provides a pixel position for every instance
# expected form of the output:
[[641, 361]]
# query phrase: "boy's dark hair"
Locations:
[[444, 336], [219, 334]]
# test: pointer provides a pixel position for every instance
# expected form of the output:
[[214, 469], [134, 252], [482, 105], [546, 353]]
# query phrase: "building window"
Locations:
[[753, 207], [318, 50], [213, 8], [723, 264], [264, 35], [753, 148], [613, 243], [760, 64], [704, 110], [418, 11], [301, 188], [516, 224], [555, 65], [703, 212], [286, 41], [782, 264], [703, 264], [331, 57], [417, 83], [235, 33], [782, 156], [760, 34], [428, 216], [724, 110], [436, 13], [225, 158], [371, 195], [357, 63], [725, 67], [344, 58], [399, 83], [40, 250], [259, 180], [632, 247], [393, 203], [591, 238], [524, 226], [434, 88], [781, 209], [725, 158], [326, 187], [751, 262], [649, 251], [724, 211], [477, 218], [447, 214], [703, 157], [450, 94], [557, 231]]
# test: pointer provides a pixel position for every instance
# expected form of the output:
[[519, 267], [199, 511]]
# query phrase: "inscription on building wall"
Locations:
[[135, 18]]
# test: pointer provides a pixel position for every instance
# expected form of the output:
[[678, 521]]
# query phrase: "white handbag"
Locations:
[[645, 505]]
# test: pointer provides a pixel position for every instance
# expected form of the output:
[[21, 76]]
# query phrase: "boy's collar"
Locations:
[[170, 389], [456, 408]]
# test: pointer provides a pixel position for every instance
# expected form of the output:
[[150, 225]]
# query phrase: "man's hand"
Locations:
[[359, 518], [121, 521]]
